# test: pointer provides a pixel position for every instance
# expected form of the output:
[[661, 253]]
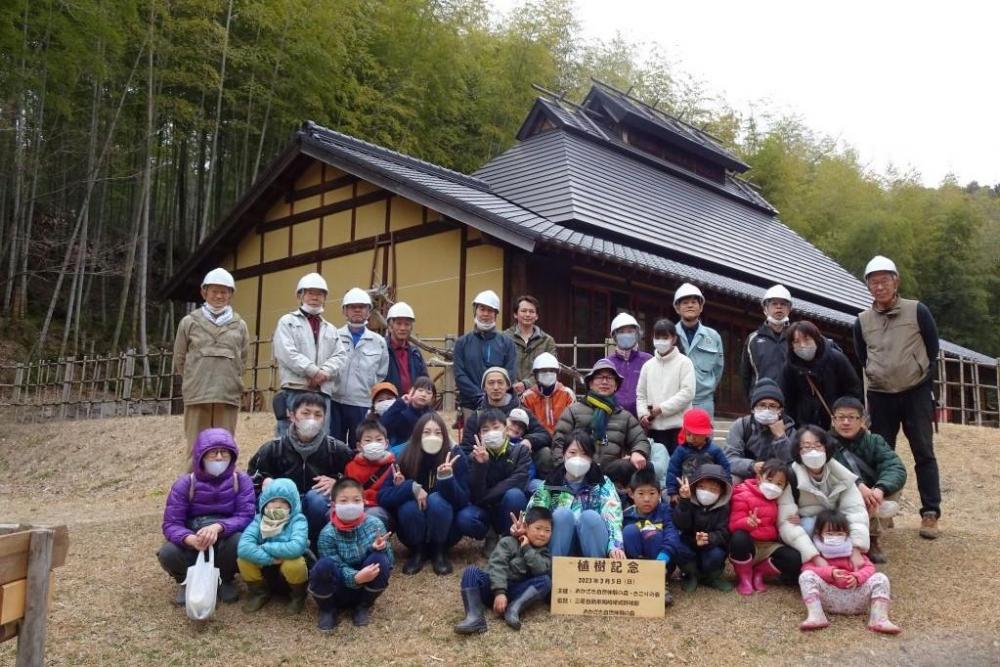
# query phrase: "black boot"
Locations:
[[442, 565], [416, 561], [475, 613], [362, 612], [327, 619], [530, 596]]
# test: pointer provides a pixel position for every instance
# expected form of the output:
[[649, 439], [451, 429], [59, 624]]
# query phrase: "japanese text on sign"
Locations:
[[605, 587]]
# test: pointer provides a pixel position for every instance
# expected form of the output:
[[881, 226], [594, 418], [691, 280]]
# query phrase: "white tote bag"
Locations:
[[201, 586]]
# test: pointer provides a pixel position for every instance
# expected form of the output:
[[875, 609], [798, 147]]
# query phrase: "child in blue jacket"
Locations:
[[649, 530], [276, 538], [695, 450]]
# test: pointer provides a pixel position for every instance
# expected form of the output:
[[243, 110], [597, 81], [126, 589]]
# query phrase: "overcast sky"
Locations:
[[913, 84]]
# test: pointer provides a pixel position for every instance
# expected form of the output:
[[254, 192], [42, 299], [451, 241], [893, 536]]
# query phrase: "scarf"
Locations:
[[603, 407], [220, 320], [306, 449], [270, 527], [346, 525]]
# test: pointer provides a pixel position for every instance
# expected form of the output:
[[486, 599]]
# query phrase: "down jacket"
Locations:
[[293, 539], [511, 562], [747, 498], [692, 517], [625, 434], [869, 457]]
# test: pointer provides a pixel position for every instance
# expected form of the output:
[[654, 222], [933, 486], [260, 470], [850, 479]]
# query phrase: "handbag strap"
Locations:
[[817, 394]]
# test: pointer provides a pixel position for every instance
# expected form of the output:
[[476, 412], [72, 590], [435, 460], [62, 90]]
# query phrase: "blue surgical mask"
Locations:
[[625, 341]]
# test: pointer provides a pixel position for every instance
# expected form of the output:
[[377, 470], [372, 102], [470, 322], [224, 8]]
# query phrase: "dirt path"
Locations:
[[108, 479]]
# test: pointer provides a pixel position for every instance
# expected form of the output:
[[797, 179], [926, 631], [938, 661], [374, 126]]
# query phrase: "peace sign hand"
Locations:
[[517, 525], [381, 541], [752, 520], [397, 476], [445, 469], [408, 396], [479, 453], [684, 490]]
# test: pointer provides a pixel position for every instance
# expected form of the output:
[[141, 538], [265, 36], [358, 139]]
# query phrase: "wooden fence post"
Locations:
[[67, 386], [128, 372], [448, 401], [31, 633]]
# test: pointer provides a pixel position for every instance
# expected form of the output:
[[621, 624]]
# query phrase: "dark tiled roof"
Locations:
[[581, 182]]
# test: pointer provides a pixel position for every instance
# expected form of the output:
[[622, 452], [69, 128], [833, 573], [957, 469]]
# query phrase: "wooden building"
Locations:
[[602, 206]]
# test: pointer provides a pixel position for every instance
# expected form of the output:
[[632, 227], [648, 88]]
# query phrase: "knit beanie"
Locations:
[[494, 369], [766, 388]]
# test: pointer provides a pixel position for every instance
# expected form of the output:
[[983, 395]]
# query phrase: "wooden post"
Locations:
[[976, 405], [31, 634], [943, 376], [961, 387], [67, 387], [128, 372], [448, 402], [18, 379]]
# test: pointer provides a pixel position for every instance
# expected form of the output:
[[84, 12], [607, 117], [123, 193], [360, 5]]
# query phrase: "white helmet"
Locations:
[[311, 281], [622, 320], [777, 292], [355, 296], [544, 361], [686, 290], [880, 263], [487, 298], [400, 309], [219, 277]]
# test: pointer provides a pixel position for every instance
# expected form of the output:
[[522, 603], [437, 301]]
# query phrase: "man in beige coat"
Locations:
[[210, 354]]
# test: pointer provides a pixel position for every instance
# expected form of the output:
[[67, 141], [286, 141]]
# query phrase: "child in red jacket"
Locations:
[[371, 466], [842, 585], [754, 547]]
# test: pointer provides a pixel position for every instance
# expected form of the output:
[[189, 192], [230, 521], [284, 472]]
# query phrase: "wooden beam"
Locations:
[[462, 268], [15, 542], [329, 209], [325, 186], [31, 633]]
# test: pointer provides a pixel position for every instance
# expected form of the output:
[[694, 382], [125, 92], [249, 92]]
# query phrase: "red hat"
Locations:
[[697, 422]]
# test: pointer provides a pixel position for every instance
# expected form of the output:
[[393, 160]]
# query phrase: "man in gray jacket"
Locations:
[[367, 365], [766, 433], [307, 348]]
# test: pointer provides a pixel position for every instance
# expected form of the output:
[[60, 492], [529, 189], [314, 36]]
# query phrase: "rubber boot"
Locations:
[[257, 596], [181, 597], [530, 596], [327, 619], [690, 570], [668, 599], [744, 575], [475, 613], [714, 580], [441, 564], [875, 553], [296, 598], [878, 618], [362, 613], [416, 561], [816, 618], [229, 592], [765, 568]]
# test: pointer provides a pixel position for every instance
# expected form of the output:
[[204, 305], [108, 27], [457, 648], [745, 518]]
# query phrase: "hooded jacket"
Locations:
[[547, 409], [228, 498], [763, 356], [367, 365], [300, 355], [833, 376], [371, 475], [692, 517], [475, 352], [597, 493], [625, 434], [686, 460], [747, 498], [538, 342], [661, 519], [279, 458], [290, 543], [749, 442], [870, 458], [628, 368], [535, 435], [210, 359]]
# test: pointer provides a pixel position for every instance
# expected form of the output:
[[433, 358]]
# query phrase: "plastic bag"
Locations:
[[201, 586]]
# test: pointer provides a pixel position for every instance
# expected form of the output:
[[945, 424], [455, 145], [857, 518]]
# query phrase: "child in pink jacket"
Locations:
[[840, 585]]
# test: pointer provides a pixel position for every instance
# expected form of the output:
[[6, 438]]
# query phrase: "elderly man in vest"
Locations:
[[897, 342]]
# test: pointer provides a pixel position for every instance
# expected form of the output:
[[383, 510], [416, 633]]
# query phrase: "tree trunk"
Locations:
[[147, 175], [203, 231]]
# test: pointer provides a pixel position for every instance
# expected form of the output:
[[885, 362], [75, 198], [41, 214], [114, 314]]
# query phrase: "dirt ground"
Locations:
[[107, 481]]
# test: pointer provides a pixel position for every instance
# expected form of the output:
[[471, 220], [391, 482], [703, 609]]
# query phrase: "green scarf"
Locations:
[[603, 407]]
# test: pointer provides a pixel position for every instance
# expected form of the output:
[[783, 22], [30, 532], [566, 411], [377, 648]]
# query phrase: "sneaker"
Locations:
[[228, 592], [929, 526]]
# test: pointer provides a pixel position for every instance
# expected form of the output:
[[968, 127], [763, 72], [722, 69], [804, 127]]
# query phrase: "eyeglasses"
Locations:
[[847, 419], [811, 446], [880, 282]]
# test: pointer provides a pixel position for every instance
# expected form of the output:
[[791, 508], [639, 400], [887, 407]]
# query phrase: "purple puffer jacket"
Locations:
[[629, 370], [212, 495]]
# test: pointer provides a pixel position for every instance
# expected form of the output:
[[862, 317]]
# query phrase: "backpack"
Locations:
[[236, 485]]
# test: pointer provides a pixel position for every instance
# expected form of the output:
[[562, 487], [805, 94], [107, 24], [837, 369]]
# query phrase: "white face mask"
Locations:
[[547, 378], [373, 451], [663, 345], [834, 540], [765, 416], [770, 490], [431, 444], [625, 341], [577, 466], [814, 459], [349, 511], [806, 352], [308, 428], [312, 310], [772, 321], [214, 310], [486, 326], [493, 440], [382, 406], [705, 497], [215, 468]]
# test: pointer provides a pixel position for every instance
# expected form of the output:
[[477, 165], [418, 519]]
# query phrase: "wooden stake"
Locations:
[[31, 634]]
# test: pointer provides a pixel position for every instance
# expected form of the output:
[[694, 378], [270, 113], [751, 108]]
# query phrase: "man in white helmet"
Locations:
[[308, 350], [529, 339], [701, 344], [627, 358], [897, 343], [406, 364], [764, 352], [211, 350], [367, 365], [481, 348]]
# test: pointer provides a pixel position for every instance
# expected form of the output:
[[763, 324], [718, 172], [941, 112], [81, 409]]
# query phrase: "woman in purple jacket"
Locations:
[[208, 507]]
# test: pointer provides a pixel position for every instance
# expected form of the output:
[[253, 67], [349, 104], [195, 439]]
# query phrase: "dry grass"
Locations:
[[107, 480]]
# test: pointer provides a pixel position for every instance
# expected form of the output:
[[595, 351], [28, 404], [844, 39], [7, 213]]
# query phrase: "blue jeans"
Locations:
[[642, 545], [585, 535], [707, 560], [474, 577], [331, 592], [433, 526], [316, 507], [344, 421], [475, 521]]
